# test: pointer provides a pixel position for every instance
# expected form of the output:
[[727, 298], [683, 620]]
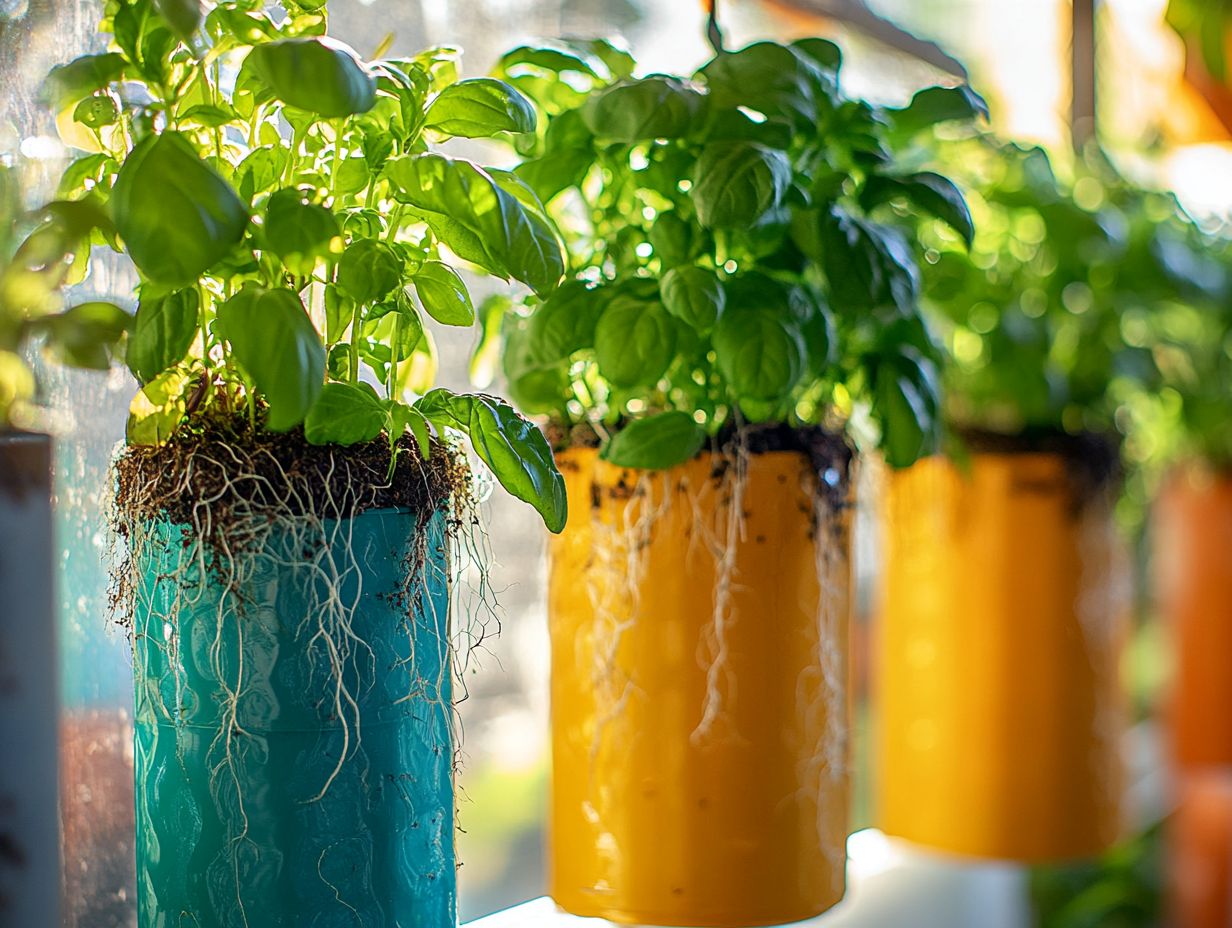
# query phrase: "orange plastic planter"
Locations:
[[1193, 557], [699, 767], [1200, 845], [997, 661]]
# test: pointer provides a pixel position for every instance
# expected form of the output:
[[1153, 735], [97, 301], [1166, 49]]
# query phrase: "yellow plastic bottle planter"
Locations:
[[699, 706], [1000, 710]]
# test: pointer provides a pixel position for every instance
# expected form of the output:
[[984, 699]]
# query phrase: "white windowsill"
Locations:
[[890, 884]]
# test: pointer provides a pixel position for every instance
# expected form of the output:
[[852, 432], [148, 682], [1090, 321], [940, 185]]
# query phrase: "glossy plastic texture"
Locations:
[[1200, 851], [998, 703], [296, 803], [1193, 559], [700, 770]]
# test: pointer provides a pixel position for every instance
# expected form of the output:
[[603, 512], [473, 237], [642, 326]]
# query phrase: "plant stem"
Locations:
[[391, 387], [353, 367]]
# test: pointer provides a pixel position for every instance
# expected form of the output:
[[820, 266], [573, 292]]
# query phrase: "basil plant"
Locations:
[[1051, 318], [293, 226], [742, 247]]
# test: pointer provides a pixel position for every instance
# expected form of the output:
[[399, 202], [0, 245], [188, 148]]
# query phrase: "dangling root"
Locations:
[[614, 589], [732, 489], [821, 689], [223, 512]]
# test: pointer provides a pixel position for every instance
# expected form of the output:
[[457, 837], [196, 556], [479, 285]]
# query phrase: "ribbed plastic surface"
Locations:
[[699, 773], [296, 803]]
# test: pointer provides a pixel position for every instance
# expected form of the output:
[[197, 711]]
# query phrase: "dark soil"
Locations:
[[241, 470], [1093, 461], [825, 450]]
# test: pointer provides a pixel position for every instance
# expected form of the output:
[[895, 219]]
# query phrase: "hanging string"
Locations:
[[713, 32]]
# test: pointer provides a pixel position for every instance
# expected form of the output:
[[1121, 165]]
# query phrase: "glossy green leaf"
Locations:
[[345, 414], [163, 331], [656, 442], [478, 219], [176, 215], [934, 105], [778, 81], [635, 342], [66, 84], [564, 323], [316, 74], [299, 231], [97, 112], [867, 264], [369, 270], [736, 183], [760, 355], [639, 110], [480, 108], [513, 448], [274, 341], [936, 195], [902, 410], [693, 295], [443, 294]]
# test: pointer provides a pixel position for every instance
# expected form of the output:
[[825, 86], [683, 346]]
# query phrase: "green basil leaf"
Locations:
[[936, 195], [443, 294], [176, 215], [513, 448], [369, 270], [66, 84], [693, 295], [900, 406], [183, 16], [759, 353], [162, 333], [97, 112], [564, 323], [934, 105], [867, 265], [274, 341], [548, 58], [672, 239], [635, 342], [299, 231], [345, 414], [85, 336], [782, 83], [316, 74], [735, 184], [655, 107], [480, 108], [823, 53], [479, 220], [656, 442]]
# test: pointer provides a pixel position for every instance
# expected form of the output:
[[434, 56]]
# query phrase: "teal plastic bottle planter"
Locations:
[[294, 758]]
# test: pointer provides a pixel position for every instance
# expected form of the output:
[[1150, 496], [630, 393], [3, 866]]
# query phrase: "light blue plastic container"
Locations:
[[236, 826]]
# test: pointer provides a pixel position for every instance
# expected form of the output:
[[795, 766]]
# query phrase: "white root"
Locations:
[[303, 534]]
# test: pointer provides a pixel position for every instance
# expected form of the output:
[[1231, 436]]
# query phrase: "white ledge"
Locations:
[[890, 884]]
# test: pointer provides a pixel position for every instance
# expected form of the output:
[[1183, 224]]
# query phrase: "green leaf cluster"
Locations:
[[294, 227], [40, 254], [742, 247], [1082, 301]]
